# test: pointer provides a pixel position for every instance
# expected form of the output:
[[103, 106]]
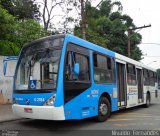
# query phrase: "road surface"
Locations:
[[137, 118]]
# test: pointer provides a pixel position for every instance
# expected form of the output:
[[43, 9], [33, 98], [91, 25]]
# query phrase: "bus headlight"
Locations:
[[50, 101]]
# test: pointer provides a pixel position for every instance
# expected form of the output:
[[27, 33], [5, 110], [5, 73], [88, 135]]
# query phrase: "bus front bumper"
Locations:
[[39, 112]]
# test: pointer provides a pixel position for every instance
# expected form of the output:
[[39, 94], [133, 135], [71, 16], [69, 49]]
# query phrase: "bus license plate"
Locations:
[[28, 110]]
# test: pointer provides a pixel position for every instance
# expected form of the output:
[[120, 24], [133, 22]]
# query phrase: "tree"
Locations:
[[109, 29], [107, 6], [27, 31], [7, 31], [47, 13], [15, 33], [22, 9]]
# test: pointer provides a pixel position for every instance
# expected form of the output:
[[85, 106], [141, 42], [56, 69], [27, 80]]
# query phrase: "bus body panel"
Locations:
[[59, 100], [86, 104], [39, 112], [132, 96]]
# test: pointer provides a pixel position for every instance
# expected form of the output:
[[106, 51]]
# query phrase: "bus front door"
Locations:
[[121, 77]]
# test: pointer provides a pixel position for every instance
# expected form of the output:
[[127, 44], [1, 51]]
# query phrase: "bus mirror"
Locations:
[[76, 69], [4, 67]]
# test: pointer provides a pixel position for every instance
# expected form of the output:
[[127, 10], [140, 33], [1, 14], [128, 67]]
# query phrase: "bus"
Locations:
[[63, 77]]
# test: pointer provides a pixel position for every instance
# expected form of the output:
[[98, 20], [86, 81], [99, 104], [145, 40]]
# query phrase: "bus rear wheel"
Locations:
[[104, 109]]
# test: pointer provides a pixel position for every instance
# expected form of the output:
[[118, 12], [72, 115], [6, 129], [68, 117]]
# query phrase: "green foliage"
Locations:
[[7, 30], [15, 33], [27, 31], [107, 5], [109, 29], [22, 9]]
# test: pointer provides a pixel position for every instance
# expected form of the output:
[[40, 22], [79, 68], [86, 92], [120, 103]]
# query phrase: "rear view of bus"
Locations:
[[36, 79]]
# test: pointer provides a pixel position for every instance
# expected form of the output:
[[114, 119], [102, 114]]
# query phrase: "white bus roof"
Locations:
[[129, 60]]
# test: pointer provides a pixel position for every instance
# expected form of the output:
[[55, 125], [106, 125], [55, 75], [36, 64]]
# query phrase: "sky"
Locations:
[[145, 12]]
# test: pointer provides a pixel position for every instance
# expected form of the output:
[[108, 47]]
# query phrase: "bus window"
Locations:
[[146, 76], [102, 69], [83, 62], [76, 84], [40, 66], [131, 74], [151, 78], [68, 68], [84, 66], [155, 77]]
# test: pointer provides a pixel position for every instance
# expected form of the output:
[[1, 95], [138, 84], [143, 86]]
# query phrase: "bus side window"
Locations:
[[146, 77], [155, 77], [83, 62], [103, 68], [131, 74], [151, 77]]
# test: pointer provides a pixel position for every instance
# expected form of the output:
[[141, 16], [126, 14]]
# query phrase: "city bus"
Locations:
[[63, 77]]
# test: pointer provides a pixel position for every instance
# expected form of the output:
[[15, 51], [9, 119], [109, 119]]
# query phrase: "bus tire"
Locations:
[[104, 109], [148, 100]]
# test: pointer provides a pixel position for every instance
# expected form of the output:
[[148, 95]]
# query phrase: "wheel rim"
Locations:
[[103, 109]]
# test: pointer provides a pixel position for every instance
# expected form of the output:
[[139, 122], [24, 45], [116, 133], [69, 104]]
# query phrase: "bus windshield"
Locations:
[[37, 68]]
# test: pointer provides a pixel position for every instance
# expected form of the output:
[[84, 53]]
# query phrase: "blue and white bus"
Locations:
[[63, 77]]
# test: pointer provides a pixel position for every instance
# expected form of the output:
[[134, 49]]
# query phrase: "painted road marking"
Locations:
[[134, 124], [120, 119], [121, 125]]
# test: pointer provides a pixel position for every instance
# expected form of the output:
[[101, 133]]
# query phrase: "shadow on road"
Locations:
[[75, 124]]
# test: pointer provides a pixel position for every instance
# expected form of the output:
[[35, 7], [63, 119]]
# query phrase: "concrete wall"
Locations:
[[6, 82]]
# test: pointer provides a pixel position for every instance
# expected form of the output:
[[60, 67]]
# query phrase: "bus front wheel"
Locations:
[[104, 109]]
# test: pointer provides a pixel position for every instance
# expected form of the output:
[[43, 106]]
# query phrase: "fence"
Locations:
[[6, 82]]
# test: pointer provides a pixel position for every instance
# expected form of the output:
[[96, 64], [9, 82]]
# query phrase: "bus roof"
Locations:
[[129, 60], [92, 46]]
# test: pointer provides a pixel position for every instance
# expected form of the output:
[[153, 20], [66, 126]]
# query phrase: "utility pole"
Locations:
[[83, 22], [129, 36]]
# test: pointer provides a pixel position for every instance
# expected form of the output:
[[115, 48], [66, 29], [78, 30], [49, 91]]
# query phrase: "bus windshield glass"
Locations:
[[38, 65]]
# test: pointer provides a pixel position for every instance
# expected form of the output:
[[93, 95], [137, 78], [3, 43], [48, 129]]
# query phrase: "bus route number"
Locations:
[[39, 99]]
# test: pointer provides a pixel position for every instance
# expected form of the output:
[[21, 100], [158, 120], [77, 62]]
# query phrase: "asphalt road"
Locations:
[[137, 118]]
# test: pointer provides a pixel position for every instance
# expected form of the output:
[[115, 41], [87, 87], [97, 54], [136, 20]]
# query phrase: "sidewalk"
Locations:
[[6, 113]]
